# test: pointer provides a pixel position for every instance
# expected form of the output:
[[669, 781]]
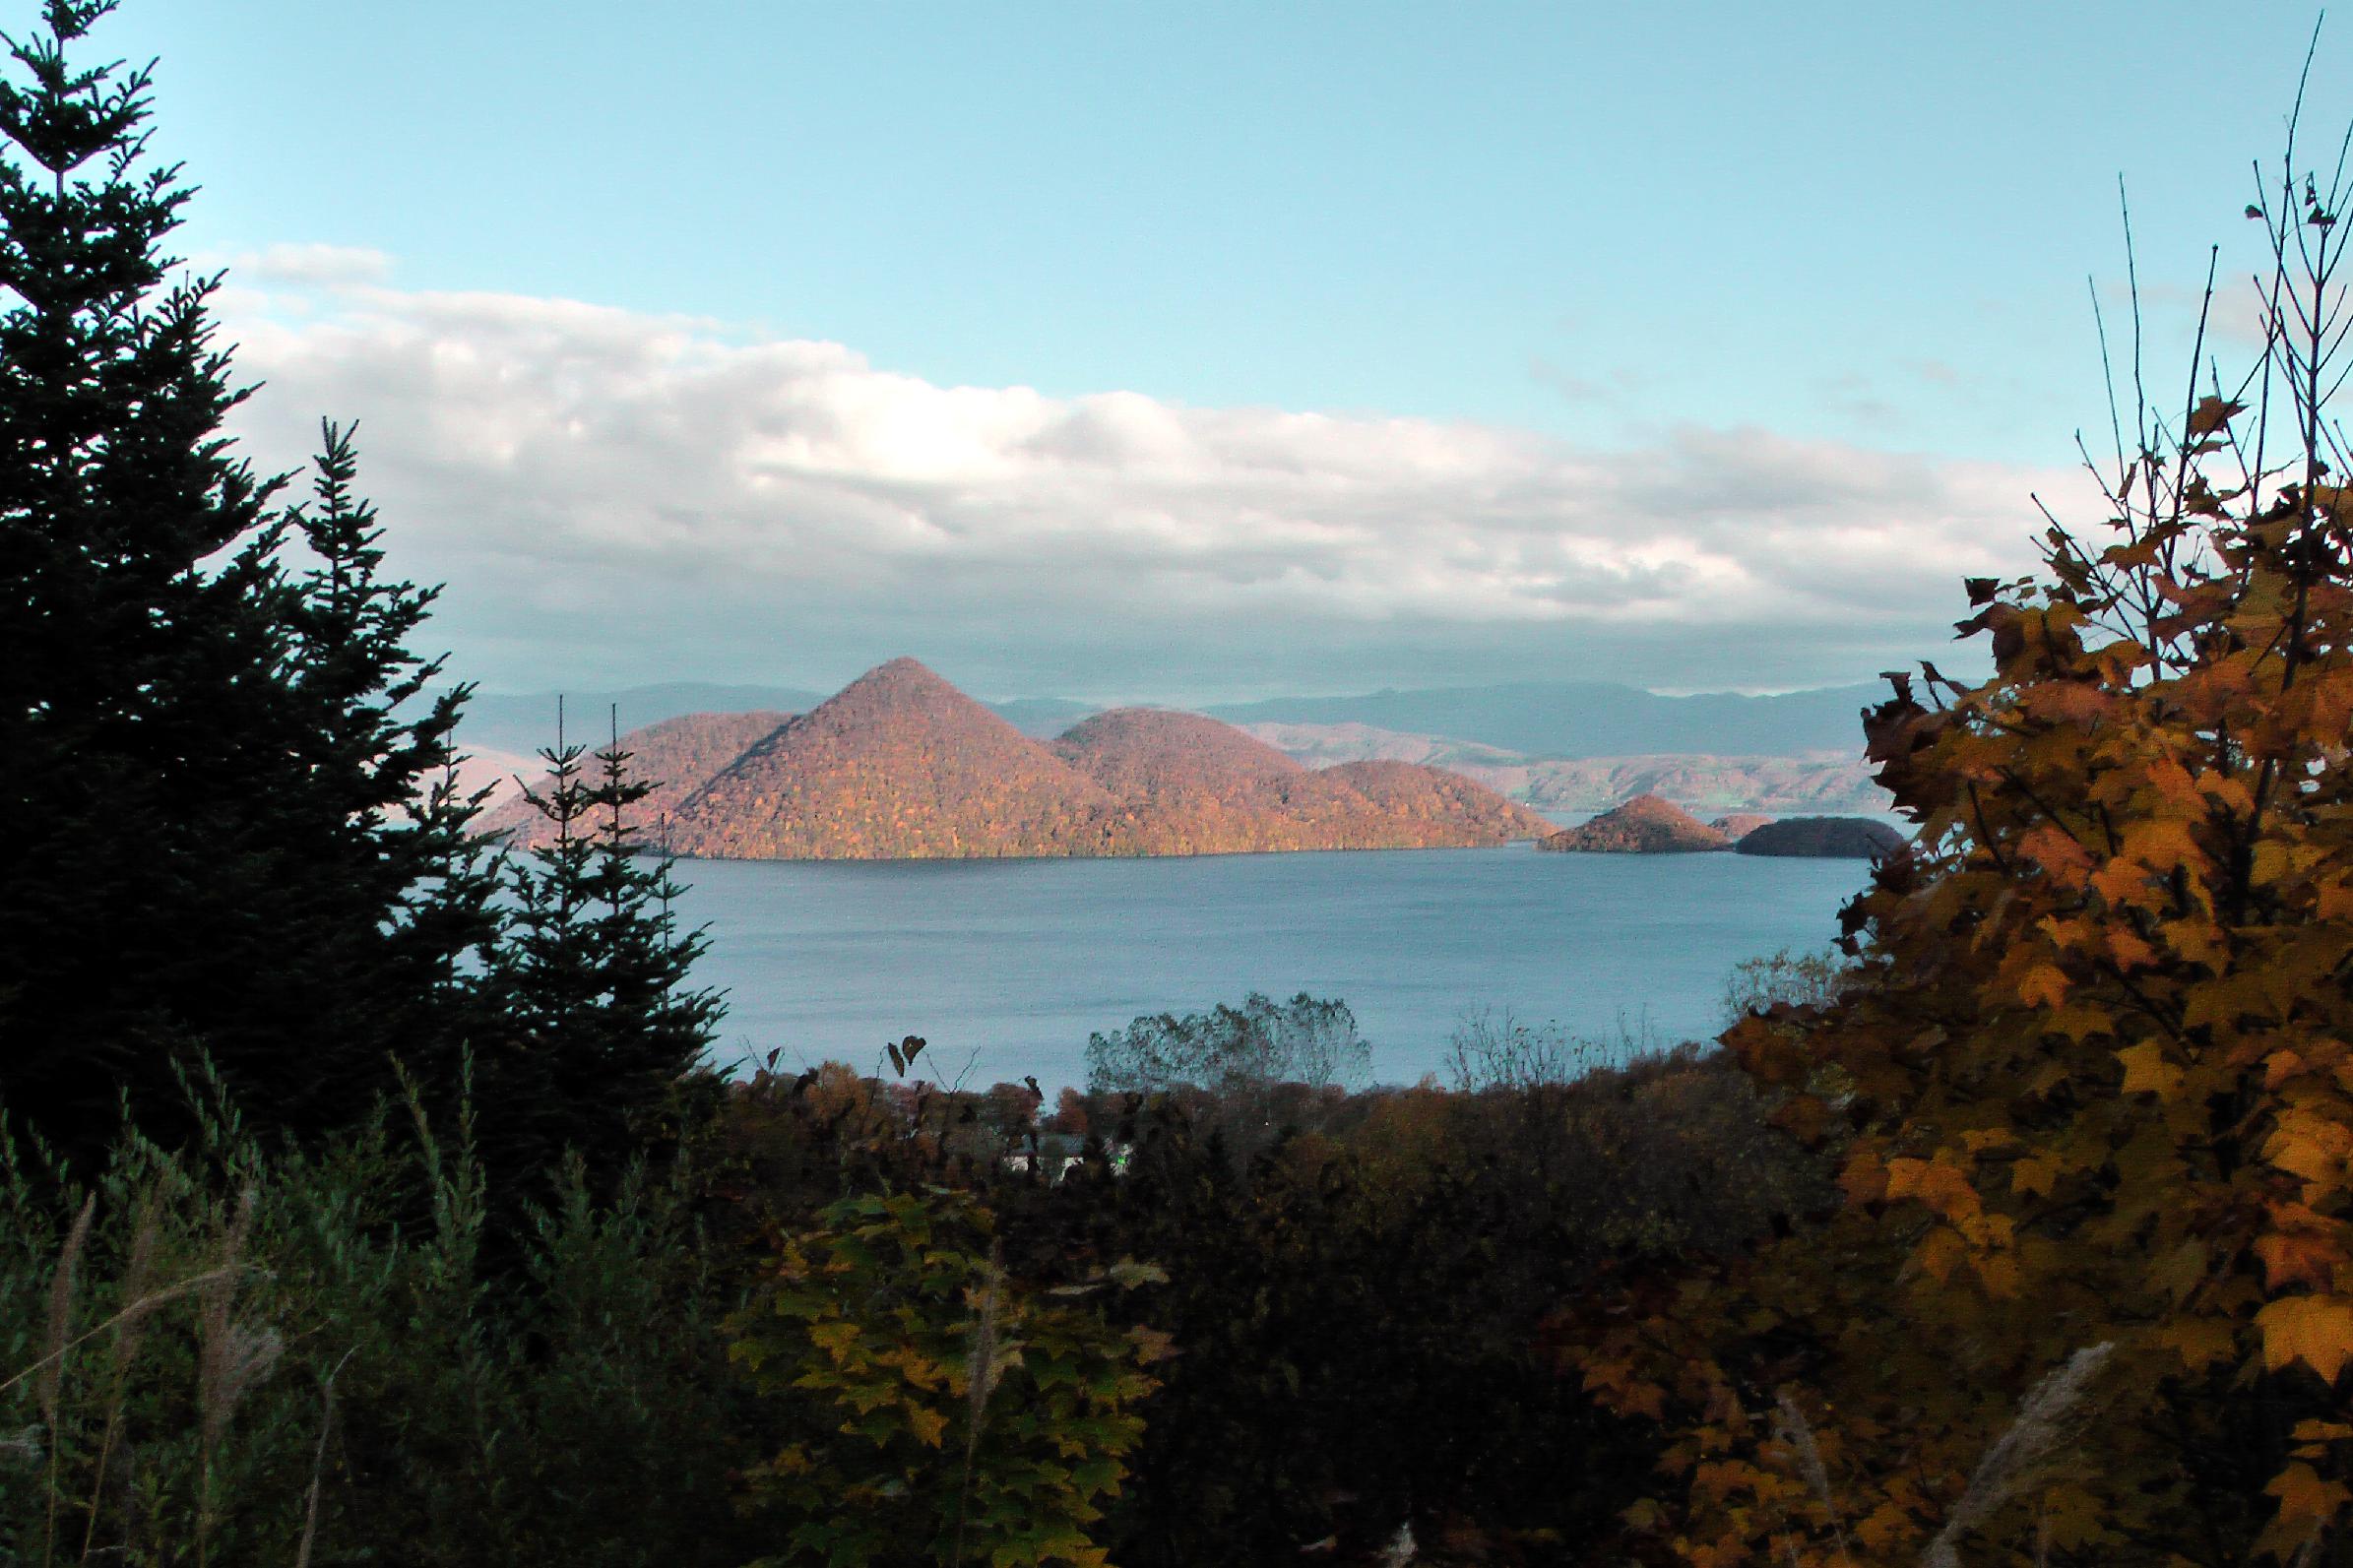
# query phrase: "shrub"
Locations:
[[227, 1353], [938, 1411]]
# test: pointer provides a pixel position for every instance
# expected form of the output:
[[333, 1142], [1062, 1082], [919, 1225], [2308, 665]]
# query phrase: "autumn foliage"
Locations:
[[943, 1412], [2089, 1295]]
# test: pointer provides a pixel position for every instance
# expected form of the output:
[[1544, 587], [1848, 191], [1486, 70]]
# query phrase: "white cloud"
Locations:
[[623, 496], [313, 265]]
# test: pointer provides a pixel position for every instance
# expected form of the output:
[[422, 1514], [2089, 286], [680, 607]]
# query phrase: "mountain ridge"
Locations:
[[1549, 720], [1536, 721], [899, 764], [677, 755]]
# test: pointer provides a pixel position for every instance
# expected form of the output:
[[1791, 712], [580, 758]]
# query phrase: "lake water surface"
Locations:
[[1005, 966]]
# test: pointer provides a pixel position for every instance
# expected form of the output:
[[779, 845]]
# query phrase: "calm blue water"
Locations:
[[1007, 966]]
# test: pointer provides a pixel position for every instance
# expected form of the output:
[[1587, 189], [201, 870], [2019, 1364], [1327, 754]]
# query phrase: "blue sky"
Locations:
[[1832, 257]]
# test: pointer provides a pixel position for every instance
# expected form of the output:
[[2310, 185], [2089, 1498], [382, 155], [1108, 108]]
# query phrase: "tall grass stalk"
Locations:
[[230, 1358], [55, 1342], [2045, 1416], [318, 1461], [128, 1330], [1790, 1424], [980, 1381], [147, 1305]]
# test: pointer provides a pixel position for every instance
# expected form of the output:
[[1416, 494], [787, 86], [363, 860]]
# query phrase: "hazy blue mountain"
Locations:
[[1592, 718], [505, 722], [1549, 719], [526, 722], [1043, 718]]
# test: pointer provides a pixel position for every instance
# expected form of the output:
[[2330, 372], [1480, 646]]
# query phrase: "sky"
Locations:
[[1195, 352]]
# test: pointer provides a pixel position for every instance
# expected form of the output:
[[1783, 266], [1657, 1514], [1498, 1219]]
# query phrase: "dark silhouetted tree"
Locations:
[[590, 980], [1304, 1040], [221, 838]]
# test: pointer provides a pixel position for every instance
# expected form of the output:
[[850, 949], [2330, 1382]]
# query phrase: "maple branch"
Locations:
[[1985, 835], [2172, 1025]]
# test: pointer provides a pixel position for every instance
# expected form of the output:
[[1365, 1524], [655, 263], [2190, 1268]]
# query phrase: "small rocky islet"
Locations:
[[1648, 824], [1824, 838]]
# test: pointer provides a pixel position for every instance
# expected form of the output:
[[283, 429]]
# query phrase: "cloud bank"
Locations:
[[615, 497]]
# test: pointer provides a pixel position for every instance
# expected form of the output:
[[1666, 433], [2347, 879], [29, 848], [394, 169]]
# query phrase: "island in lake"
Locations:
[[1647, 825], [901, 765]]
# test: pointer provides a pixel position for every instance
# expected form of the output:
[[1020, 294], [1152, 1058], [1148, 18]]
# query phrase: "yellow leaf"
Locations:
[[2057, 852], [2044, 986], [2199, 1341], [1939, 1251], [2316, 1330], [2148, 1071], [1998, 1274], [2304, 1498], [834, 1339], [2299, 1257], [1943, 1186], [1885, 1527], [2034, 1175], [2160, 843], [1864, 1178], [2180, 1271], [2312, 1147]]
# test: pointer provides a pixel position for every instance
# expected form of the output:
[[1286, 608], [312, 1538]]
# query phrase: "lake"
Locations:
[[1005, 966]]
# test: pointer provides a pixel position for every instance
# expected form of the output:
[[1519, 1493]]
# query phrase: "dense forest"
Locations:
[[366, 1196]]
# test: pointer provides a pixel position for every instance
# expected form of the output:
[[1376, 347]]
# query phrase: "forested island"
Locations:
[[371, 1191], [1648, 824], [901, 765]]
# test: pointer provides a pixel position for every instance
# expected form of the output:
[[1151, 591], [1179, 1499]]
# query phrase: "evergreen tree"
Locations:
[[387, 970], [213, 845], [589, 980]]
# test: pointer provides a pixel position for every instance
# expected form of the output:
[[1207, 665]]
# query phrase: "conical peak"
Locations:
[[901, 685], [901, 674], [1645, 823], [906, 701]]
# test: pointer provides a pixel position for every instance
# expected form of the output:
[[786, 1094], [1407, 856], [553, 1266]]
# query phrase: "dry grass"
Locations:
[[981, 1379], [235, 1357], [2046, 1416], [1790, 1426], [318, 1463]]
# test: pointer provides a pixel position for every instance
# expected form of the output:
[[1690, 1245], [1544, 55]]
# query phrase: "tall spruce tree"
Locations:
[[215, 839], [590, 979]]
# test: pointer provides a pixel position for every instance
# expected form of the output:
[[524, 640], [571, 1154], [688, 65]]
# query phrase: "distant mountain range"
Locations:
[[1531, 720], [901, 765], [1582, 719], [1818, 783], [523, 724], [1568, 750]]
